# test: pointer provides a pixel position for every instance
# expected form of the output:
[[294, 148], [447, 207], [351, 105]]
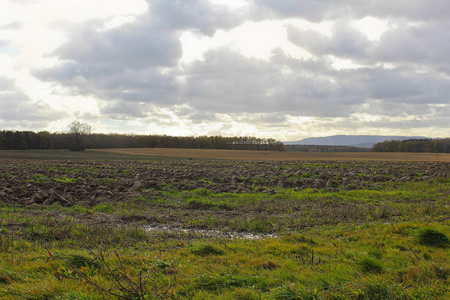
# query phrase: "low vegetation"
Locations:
[[203, 229]]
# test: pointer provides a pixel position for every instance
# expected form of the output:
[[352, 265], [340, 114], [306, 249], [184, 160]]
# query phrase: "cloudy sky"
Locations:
[[286, 69]]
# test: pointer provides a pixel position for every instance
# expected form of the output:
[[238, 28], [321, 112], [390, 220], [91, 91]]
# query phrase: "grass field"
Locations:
[[97, 225], [278, 155]]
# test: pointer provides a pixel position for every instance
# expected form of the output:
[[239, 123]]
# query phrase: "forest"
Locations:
[[414, 145], [23, 140]]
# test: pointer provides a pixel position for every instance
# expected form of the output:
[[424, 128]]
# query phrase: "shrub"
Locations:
[[432, 237]]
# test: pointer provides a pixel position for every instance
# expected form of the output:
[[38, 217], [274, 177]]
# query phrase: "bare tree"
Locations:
[[78, 131]]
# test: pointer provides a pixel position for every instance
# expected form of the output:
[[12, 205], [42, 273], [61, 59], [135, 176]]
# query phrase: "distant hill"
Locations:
[[363, 141]]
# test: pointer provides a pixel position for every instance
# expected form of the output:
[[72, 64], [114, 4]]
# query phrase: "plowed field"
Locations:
[[90, 182]]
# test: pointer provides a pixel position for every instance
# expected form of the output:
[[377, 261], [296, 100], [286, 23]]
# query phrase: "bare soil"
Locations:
[[37, 184], [28, 182]]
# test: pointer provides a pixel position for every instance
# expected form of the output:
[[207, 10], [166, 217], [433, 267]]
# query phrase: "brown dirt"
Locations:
[[88, 183]]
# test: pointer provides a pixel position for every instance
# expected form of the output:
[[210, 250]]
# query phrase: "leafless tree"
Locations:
[[78, 131]]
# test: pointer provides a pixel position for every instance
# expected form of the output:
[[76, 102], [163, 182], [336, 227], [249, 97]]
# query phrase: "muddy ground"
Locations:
[[38, 184], [28, 182]]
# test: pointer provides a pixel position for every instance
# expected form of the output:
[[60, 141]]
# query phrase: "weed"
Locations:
[[377, 291], [206, 249], [442, 272], [199, 204], [105, 208], [243, 293], [376, 253], [73, 296], [65, 179], [38, 178], [434, 238], [289, 292], [370, 265], [202, 192], [214, 282], [9, 277], [79, 261], [125, 286], [298, 238]]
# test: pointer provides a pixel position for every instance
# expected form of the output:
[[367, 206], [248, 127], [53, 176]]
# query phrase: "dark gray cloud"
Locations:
[[199, 15], [134, 45], [439, 117], [114, 83], [225, 81], [408, 87], [425, 44], [320, 10], [198, 118], [125, 110], [345, 41], [384, 127], [273, 118], [311, 10], [228, 82], [420, 10]]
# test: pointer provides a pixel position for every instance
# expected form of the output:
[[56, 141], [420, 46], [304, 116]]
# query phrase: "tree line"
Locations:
[[23, 140], [414, 145]]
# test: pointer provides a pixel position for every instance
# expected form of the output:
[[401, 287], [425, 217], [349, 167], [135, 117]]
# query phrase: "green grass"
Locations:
[[370, 265], [388, 242], [206, 249], [275, 268]]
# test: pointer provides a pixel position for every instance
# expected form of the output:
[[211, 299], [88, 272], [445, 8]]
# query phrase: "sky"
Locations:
[[284, 69]]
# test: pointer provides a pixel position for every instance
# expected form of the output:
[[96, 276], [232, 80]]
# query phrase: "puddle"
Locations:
[[212, 233]]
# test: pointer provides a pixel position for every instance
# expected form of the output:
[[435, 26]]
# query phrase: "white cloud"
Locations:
[[22, 112], [373, 28]]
